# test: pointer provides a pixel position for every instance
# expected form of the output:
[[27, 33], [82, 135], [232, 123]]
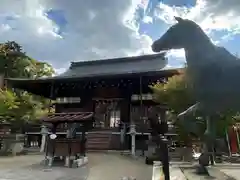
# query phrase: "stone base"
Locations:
[[69, 162], [44, 162], [82, 161], [149, 160], [202, 170], [48, 161], [204, 159]]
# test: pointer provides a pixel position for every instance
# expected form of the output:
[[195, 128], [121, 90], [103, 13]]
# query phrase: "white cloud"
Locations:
[[178, 53], [102, 29], [147, 19], [94, 29], [209, 14], [4, 28]]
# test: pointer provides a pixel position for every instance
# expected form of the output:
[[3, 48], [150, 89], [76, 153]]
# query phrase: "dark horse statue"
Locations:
[[213, 72]]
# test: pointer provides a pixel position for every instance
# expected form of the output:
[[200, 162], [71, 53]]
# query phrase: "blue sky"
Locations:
[[60, 31], [152, 29]]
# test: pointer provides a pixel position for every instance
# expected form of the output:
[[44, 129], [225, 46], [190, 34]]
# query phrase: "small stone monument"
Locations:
[[17, 148]]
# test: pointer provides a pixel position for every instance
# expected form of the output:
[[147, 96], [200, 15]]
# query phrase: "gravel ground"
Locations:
[[101, 166]]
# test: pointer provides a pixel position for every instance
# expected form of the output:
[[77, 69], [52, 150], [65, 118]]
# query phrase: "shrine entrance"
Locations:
[[107, 113]]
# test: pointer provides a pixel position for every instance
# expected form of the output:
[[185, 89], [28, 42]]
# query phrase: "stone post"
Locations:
[[44, 132], [133, 135]]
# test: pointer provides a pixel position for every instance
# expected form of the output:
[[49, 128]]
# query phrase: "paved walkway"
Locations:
[[218, 172], [107, 166], [232, 170]]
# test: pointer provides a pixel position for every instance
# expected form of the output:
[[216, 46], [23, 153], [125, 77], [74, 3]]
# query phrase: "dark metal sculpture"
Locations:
[[213, 72]]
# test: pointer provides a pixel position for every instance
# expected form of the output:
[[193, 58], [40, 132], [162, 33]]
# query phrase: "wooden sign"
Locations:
[[1, 81]]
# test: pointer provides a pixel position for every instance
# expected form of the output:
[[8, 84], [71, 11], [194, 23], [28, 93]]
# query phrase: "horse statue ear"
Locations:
[[179, 19]]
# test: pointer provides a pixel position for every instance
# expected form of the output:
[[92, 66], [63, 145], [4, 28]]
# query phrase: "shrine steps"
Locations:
[[98, 141]]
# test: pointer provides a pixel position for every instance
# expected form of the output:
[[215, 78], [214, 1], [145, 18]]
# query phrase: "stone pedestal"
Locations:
[[81, 161]]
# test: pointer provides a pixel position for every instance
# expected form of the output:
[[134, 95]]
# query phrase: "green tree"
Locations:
[[17, 106], [14, 63], [8, 104], [176, 93]]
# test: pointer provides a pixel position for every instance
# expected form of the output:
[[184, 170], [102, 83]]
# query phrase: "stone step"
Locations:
[[98, 141], [102, 136]]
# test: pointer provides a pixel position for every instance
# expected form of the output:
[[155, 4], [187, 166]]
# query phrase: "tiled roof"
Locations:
[[125, 66], [68, 117], [117, 66]]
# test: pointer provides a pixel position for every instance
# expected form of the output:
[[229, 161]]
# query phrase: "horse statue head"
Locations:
[[213, 71], [209, 66], [184, 34]]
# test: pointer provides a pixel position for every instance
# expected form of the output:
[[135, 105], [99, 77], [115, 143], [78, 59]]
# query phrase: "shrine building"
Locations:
[[109, 94]]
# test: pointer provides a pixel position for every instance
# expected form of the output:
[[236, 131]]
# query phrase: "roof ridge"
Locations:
[[115, 60]]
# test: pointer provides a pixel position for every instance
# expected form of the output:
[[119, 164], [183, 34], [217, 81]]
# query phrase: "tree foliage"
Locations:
[[15, 63], [176, 93], [17, 106]]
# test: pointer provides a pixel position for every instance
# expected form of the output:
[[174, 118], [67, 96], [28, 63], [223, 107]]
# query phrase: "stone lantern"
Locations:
[[44, 132]]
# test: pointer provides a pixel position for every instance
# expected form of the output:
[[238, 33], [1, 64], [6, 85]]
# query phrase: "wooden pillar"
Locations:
[[54, 129], [28, 140], [125, 116], [69, 135], [83, 142], [141, 114]]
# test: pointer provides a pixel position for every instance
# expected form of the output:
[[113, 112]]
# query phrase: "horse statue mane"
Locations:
[[213, 71]]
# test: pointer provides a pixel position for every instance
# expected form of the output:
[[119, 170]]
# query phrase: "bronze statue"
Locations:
[[213, 72]]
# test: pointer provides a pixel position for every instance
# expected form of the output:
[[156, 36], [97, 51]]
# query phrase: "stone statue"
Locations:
[[212, 71]]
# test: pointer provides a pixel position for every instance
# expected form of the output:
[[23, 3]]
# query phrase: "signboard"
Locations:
[[1, 81]]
